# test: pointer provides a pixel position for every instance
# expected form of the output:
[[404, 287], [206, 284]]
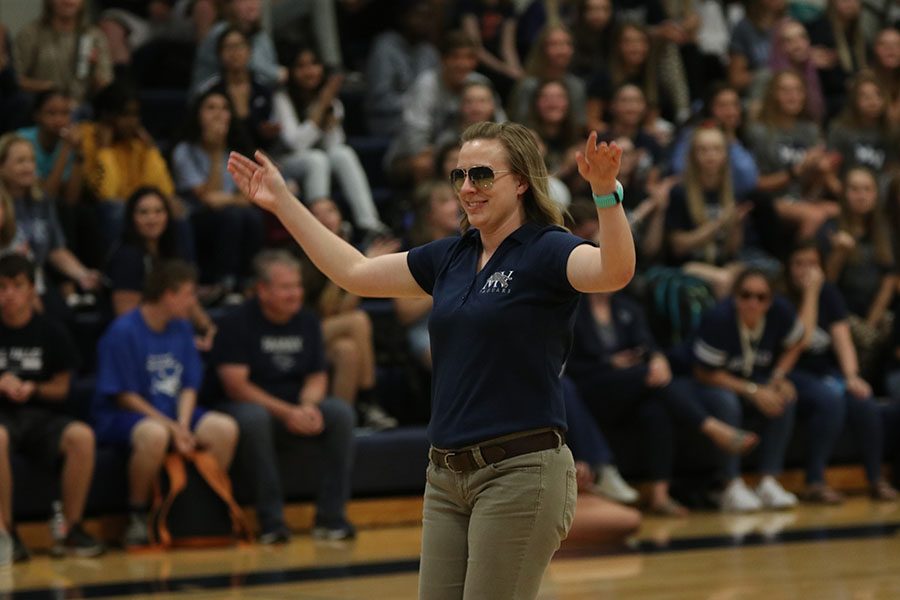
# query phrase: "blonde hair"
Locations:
[[7, 141], [847, 54], [696, 200], [525, 160]]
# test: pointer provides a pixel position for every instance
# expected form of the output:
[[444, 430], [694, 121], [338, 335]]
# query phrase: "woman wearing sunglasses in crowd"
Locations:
[[505, 294], [744, 350]]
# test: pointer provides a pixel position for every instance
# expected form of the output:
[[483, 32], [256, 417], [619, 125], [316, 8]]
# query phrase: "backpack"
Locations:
[[675, 303], [194, 506]]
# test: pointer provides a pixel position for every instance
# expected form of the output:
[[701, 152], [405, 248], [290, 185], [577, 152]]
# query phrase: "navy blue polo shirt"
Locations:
[[499, 337], [718, 342], [819, 356]]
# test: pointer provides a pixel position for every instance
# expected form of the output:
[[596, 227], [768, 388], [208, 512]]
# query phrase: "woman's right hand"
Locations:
[[259, 180]]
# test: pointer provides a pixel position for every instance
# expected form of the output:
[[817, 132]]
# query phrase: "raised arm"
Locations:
[[383, 277], [611, 266]]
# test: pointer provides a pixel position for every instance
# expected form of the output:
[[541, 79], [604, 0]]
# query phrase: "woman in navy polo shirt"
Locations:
[[744, 350], [501, 486]]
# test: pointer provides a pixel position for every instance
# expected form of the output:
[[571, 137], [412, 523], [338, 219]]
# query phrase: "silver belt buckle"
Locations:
[[447, 462]]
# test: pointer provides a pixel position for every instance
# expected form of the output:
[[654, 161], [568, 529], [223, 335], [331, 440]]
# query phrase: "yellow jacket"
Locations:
[[115, 172]]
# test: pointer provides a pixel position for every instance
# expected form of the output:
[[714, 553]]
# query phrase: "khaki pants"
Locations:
[[490, 533]]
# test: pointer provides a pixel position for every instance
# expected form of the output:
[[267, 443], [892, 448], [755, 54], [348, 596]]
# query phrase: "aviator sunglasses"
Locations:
[[481, 177]]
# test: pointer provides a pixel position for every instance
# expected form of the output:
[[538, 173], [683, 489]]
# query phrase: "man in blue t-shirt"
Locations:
[[148, 374], [270, 359], [37, 358]]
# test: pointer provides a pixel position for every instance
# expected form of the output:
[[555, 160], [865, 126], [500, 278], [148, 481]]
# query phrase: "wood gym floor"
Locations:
[[847, 552]]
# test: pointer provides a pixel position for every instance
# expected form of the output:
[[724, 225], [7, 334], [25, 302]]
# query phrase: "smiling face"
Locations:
[[795, 42], [861, 191], [150, 217], [19, 170], [870, 102], [477, 104], [790, 94], [887, 49], [552, 103], [500, 205], [558, 49], [710, 150]]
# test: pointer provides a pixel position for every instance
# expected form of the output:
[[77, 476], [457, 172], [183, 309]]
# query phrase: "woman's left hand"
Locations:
[[599, 164]]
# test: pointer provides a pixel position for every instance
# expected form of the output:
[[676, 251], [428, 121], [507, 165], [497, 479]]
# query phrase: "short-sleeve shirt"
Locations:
[[819, 356], [870, 147], [156, 365], [37, 352], [754, 44], [862, 276], [44, 159], [191, 166], [499, 336], [777, 149], [38, 221], [280, 356], [718, 342], [127, 267]]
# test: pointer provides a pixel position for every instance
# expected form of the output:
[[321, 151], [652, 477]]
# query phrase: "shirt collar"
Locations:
[[523, 234]]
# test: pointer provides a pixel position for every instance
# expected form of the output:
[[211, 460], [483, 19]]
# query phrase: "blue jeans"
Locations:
[[263, 435], [694, 401], [828, 404]]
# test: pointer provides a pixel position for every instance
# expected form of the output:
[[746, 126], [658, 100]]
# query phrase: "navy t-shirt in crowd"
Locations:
[[819, 356], [38, 351], [280, 356], [718, 342], [499, 336]]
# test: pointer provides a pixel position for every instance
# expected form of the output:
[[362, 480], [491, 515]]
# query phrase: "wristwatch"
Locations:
[[609, 200], [751, 389]]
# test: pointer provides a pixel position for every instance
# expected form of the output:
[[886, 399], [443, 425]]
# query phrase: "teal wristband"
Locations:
[[610, 200]]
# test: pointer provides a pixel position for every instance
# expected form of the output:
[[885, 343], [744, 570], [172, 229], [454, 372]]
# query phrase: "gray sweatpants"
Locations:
[[491, 533]]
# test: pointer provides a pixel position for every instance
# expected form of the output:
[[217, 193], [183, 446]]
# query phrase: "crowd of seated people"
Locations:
[[760, 166]]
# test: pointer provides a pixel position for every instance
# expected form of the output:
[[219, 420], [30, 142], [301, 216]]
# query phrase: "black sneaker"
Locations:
[[82, 544], [136, 532], [334, 532], [20, 551], [278, 536]]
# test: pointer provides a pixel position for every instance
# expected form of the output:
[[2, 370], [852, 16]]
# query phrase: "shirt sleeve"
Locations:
[[189, 170], [709, 346], [192, 376], [231, 342], [784, 313], [317, 345], [118, 367], [297, 135], [63, 353], [832, 304], [553, 250], [424, 262]]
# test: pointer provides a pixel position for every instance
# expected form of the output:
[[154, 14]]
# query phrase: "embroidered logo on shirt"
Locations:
[[498, 283]]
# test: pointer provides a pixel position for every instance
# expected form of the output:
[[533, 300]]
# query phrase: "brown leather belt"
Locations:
[[471, 459]]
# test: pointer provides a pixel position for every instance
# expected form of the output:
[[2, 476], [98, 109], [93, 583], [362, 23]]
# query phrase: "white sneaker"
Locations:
[[774, 496], [611, 485], [737, 497]]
